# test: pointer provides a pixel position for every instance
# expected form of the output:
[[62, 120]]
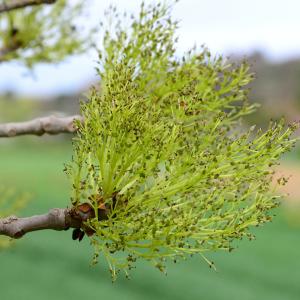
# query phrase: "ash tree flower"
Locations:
[[160, 158]]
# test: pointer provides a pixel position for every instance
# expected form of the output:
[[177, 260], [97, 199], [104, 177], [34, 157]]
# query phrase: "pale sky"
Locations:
[[224, 26]]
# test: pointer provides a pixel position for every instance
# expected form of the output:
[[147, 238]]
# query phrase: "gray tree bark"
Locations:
[[40, 126], [55, 219]]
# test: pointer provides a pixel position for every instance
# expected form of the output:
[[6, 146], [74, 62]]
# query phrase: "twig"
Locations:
[[6, 50], [16, 4], [40, 126], [55, 219]]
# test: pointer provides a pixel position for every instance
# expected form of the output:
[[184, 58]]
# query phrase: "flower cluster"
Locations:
[[162, 148]]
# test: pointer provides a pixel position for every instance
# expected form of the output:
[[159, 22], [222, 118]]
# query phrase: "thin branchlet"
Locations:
[[17, 4]]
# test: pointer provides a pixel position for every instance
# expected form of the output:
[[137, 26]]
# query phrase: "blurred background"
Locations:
[[49, 265]]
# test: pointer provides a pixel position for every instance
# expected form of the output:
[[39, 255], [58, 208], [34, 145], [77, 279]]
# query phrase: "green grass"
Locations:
[[50, 265]]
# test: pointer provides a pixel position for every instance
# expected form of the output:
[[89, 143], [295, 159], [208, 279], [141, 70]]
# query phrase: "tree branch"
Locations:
[[55, 219], [16, 4], [40, 126]]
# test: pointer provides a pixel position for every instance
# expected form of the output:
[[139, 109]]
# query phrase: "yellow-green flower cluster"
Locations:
[[161, 147]]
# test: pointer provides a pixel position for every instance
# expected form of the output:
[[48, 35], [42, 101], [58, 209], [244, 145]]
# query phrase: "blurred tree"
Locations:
[[276, 89], [31, 31], [160, 168]]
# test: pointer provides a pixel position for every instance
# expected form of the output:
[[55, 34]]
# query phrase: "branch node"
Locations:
[[10, 219], [12, 132]]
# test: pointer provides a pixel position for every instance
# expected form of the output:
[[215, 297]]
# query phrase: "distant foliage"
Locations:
[[43, 33], [160, 156]]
